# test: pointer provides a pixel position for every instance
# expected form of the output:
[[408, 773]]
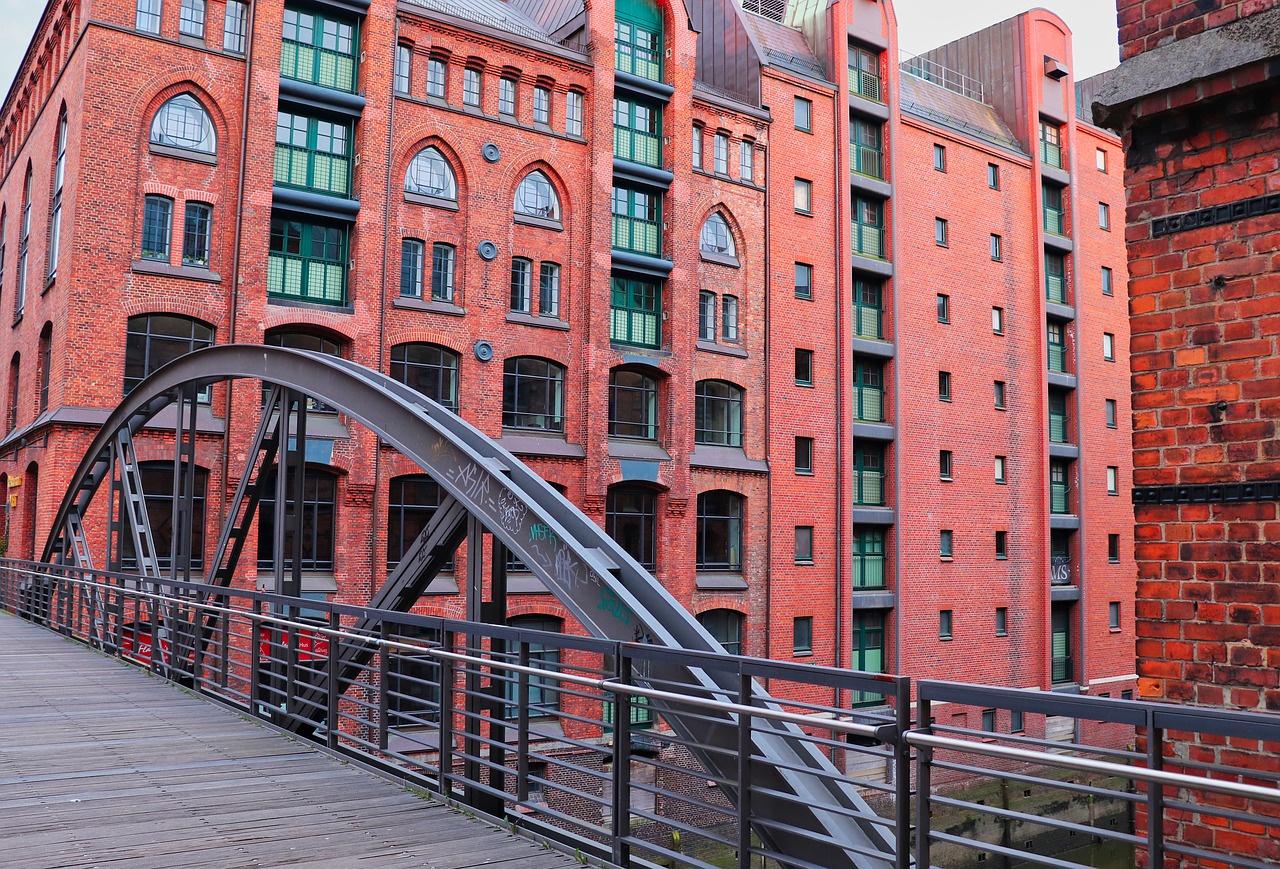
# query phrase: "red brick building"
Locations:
[[838, 357]]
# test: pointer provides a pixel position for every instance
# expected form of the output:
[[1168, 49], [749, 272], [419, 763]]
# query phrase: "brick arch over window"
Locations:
[[148, 107], [413, 169], [183, 122], [737, 240], [519, 191]]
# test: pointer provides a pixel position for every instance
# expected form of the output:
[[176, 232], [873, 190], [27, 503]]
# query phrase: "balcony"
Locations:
[[637, 146], [1055, 288], [1063, 671], [868, 322], [865, 84], [1059, 498], [322, 64], [1057, 358], [313, 170], [868, 487], [1057, 428], [637, 234], [867, 571], [635, 313], [306, 279], [1051, 154], [867, 161], [638, 56], [868, 403], [868, 240], [1055, 221]]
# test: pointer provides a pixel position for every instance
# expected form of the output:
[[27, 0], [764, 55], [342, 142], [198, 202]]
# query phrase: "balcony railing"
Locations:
[[1060, 569], [867, 160], [296, 277], [868, 240], [1055, 222], [868, 571], [865, 84], [634, 326], [1058, 358], [1051, 154], [322, 66], [637, 60], [637, 146], [315, 170], [869, 401], [1058, 428], [637, 234], [868, 322], [1059, 498], [1055, 288], [868, 487], [1063, 671]]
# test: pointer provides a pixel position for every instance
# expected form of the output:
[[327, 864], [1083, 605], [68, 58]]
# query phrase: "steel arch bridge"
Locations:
[[487, 491]]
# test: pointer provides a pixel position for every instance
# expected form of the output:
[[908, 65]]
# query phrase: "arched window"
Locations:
[[535, 197], [428, 368], [46, 363], [716, 238], [183, 123], [411, 503], [153, 340], [319, 502], [633, 405], [544, 696], [24, 249], [631, 518], [11, 412], [719, 531], [717, 414], [429, 174], [725, 626], [157, 486], [55, 204], [306, 341], [533, 394]]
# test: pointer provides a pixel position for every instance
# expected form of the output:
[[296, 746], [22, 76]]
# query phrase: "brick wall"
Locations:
[[1145, 24]]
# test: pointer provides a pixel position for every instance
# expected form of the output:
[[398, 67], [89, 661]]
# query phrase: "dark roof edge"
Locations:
[[920, 113], [1209, 53], [493, 32]]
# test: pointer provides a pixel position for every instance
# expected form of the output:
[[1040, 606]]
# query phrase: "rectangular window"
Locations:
[[868, 557], [471, 87], [521, 285], [866, 147], [804, 281], [804, 367], [436, 72], [944, 385], [307, 261], [148, 16], [1057, 337], [1000, 465], [573, 113], [944, 308], [729, 318], [804, 196], [404, 68], [1113, 480], [944, 464], [411, 256], [997, 320], [868, 228], [804, 115], [1113, 615], [234, 25], [1002, 545], [747, 161], [1002, 621], [697, 146], [1104, 216], [157, 226], [442, 260], [541, 105], [706, 316], [802, 633], [945, 543], [993, 176], [945, 624], [1059, 488], [319, 49], [191, 18], [1107, 289], [996, 252], [804, 455], [940, 158], [1055, 278], [1055, 218], [868, 316], [1051, 144], [636, 224], [940, 232], [1101, 160], [989, 720], [1110, 405], [635, 312], [721, 153], [549, 290], [1113, 548], [1108, 347], [999, 390], [1016, 724], [804, 544], [195, 234], [868, 389], [864, 73], [506, 96], [868, 474]]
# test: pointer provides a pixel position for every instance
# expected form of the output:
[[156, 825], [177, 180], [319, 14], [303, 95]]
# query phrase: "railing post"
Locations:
[[1155, 795], [255, 661], [384, 675], [197, 651], [331, 703], [745, 696], [621, 793], [902, 775], [224, 665], [522, 725], [119, 631], [290, 663], [447, 679], [924, 760]]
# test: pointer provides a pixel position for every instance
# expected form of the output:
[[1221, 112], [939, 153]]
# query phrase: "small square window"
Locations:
[[1108, 347], [940, 158], [1126, 694], [804, 196], [1107, 289], [944, 464], [993, 176], [1016, 721], [804, 455], [1002, 621], [804, 367], [1113, 480], [1113, 615], [1113, 548], [1000, 470], [1111, 412], [804, 115], [944, 308], [940, 232], [997, 320], [1101, 157], [945, 540], [1104, 216], [944, 385], [802, 632], [989, 720], [804, 544], [804, 281], [999, 389], [1002, 545], [997, 253], [944, 624]]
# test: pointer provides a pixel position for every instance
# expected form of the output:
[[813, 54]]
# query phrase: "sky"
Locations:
[[922, 24]]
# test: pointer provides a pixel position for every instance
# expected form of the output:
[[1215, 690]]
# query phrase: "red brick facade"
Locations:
[[794, 355]]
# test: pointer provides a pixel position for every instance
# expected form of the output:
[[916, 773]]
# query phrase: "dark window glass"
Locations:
[[313, 343], [717, 413], [719, 531], [804, 544], [544, 696], [153, 340], [195, 234], [157, 486], [157, 225], [442, 259], [411, 254], [428, 368], [725, 627], [411, 502], [533, 394], [804, 367], [802, 634], [633, 405], [804, 455], [631, 518], [318, 513]]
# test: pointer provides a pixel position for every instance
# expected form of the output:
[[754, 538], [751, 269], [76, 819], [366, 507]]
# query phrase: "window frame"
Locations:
[[1001, 468], [472, 87], [1104, 216], [317, 483], [718, 418], [507, 90], [551, 377], [156, 233], [1002, 621], [804, 544], [542, 105], [946, 465], [421, 363], [1113, 548], [530, 193], [1110, 413], [997, 320], [424, 169], [147, 16], [521, 298], [573, 112], [803, 196], [802, 112], [197, 235], [404, 69], [805, 270], [941, 232], [729, 311], [1000, 389], [944, 308], [1002, 545], [437, 78], [617, 519], [944, 386], [804, 455], [334, 234], [939, 157], [804, 366], [946, 624], [1108, 347], [444, 257], [993, 176], [645, 426], [169, 131], [731, 517], [997, 245], [1113, 479], [1108, 279], [720, 154], [802, 635], [235, 24]]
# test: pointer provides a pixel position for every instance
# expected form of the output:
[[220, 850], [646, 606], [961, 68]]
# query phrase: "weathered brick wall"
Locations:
[[1145, 24]]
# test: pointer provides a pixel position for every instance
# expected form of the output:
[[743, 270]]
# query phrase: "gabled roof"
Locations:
[[784, 47], [941, 106], [490, 13]]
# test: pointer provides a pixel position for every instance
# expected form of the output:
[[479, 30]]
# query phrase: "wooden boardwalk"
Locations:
[[103, 765]]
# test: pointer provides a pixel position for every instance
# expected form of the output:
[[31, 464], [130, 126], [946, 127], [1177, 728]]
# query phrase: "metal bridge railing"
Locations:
[[567, 737]]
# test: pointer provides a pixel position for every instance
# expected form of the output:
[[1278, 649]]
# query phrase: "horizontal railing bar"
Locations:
[[1130, 796], [1037, 820], [1012, 853]]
